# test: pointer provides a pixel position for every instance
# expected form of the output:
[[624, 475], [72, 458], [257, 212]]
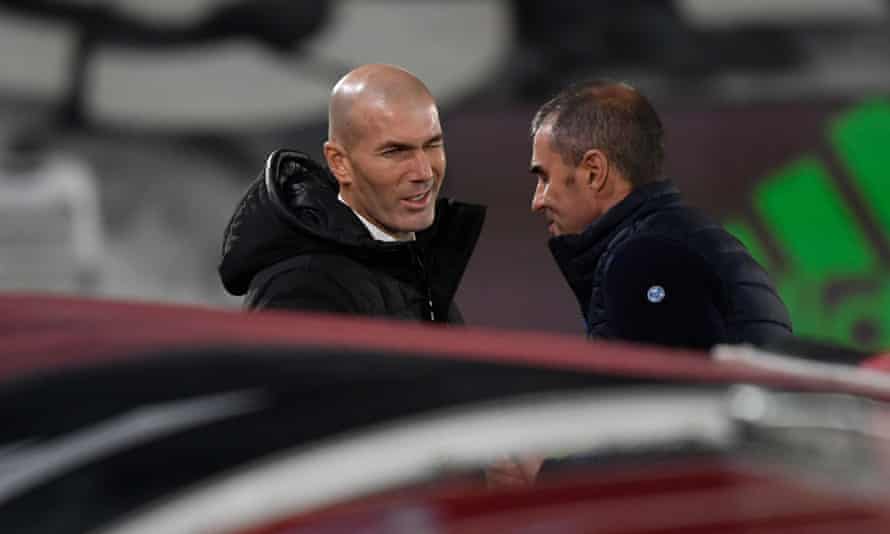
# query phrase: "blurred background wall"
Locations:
[[130, 128]]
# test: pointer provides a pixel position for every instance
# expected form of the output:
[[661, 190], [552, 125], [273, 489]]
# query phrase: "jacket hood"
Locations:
[[291, 208]]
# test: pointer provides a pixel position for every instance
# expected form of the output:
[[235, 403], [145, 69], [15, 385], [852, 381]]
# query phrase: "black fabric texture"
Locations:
[[718, 293]]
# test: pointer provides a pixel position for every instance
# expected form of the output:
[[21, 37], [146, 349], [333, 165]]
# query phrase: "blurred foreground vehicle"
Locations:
[[124, 418]]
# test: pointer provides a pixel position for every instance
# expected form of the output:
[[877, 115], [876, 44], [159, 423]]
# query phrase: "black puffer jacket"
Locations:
[[291, 244], [654, 270]]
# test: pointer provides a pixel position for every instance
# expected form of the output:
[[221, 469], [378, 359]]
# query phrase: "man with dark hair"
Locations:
[[644, 266], [365, 235]]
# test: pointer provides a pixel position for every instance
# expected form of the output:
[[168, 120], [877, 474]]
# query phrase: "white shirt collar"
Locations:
[[376, 232]]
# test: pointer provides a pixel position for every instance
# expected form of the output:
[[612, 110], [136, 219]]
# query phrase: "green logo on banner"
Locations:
[[830, 272]]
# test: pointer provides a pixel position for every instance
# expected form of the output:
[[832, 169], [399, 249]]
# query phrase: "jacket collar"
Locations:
[[578, 254]]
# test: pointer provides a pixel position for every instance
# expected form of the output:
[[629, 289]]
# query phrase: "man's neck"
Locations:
[[378, 233], [619, 194]]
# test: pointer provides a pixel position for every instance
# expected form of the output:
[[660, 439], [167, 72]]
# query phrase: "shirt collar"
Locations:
[[376, 232]]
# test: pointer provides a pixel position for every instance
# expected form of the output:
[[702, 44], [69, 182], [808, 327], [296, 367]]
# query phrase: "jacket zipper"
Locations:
[[426, 282]]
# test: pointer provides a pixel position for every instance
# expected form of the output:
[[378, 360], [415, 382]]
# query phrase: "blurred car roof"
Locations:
[[40, 332], [111, 405]]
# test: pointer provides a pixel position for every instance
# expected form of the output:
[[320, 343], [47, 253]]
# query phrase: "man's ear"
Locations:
[[338, 163], [595, 165]]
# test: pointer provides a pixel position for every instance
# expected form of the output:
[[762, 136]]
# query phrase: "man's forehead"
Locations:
[[392, 109], [408, 121], [545, 129], [542, 143]]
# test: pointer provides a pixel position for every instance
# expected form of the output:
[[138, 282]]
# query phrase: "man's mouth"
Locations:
[[551, 227], [419, 200]]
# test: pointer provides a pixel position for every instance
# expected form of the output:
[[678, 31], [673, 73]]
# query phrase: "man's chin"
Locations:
[[553, 230], [416, 223]]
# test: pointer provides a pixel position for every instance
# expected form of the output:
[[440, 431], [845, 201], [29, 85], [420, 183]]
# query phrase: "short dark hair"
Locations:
[[611, 116]]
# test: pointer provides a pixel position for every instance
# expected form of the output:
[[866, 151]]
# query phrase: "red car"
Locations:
[[132, 418]]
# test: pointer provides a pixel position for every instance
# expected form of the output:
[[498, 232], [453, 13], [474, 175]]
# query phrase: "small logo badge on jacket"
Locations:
[[655, 294]]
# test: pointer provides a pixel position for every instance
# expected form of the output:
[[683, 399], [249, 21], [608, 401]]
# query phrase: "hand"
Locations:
[[513, 472]]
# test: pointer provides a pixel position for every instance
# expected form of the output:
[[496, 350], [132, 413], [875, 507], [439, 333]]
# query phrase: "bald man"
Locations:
[[365, 234]]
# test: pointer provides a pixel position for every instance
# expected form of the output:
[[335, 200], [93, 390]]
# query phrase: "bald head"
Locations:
[[385, 148], [366, 91]]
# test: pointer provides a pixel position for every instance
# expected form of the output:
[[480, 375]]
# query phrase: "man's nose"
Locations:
[[423, 167], [539, 197]]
